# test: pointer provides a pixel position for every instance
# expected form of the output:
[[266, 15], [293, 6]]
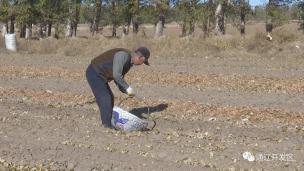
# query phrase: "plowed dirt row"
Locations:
[[229, 82], [70, 138], [207, 96], [177, 109], [210, 107]]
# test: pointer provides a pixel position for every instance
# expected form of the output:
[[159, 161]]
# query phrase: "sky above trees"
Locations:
[[257, 2]]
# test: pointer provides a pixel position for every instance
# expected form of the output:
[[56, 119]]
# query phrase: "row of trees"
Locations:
[[209, 15], [25, 13], [301, 13]]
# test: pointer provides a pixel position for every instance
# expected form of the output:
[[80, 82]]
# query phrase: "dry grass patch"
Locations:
[[225, 42], [283, 36], [43, 46], [258, 43]]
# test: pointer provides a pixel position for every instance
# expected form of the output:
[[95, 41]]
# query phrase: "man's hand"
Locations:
[[130, 92]]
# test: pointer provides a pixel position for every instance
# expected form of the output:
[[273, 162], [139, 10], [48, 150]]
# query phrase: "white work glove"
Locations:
[[130, 92]]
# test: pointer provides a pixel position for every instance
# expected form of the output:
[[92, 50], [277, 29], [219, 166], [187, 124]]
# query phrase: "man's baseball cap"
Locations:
[[143, 51]]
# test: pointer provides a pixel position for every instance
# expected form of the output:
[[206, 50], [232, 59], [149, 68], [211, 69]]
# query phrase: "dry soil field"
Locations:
[[213, 99]]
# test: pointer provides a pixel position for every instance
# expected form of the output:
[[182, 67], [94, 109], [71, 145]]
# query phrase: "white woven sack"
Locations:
[[126, 121]]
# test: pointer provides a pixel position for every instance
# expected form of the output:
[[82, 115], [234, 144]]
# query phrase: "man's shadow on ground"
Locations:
[[148, 110]]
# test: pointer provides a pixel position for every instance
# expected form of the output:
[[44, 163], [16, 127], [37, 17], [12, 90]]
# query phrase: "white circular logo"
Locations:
[[248, 156]]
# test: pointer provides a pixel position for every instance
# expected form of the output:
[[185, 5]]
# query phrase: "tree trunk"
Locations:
[[159, 29], [4, 29], [128, 28], [69, 29], [129, 22], [124, 31], [191, 26], [162, 18], [219, 20], [74, 30], [49, 29], [269, 26], [269, 22], [184, 28], [135, 28], [98, 4], [93, 27], [160, 25], [135, 24], [41, 31], [56, 35], [114, 31], [12, 25], [76, 19], [28, 32], [208, 24], [114, 18], [22, 31], [242, 27], [205, 28]]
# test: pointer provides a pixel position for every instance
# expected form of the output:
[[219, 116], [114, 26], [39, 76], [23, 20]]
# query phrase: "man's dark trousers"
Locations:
[[103, 94]]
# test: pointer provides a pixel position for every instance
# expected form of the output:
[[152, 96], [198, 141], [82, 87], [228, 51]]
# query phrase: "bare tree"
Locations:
[[242, 16], [189, 13], [208, 17], [133, 14], [274, 14], [159, 25], [220, 19], [238, 11], [73, 19], [160, 7], [98, 4]]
